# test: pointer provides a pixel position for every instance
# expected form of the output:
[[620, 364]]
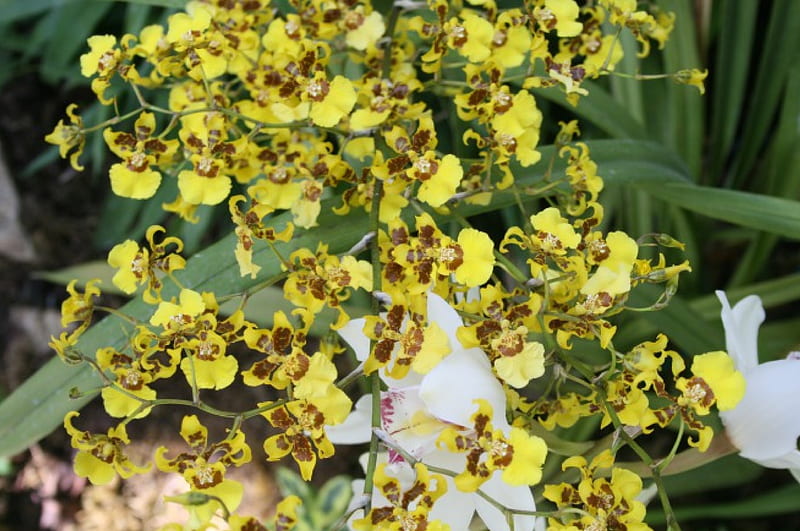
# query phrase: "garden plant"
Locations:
[[475, 243]]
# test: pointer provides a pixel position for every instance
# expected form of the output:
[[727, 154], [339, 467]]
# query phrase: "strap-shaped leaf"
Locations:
[[769, 214]]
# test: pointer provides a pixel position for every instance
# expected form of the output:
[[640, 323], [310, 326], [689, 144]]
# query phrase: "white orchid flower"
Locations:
[[415, 410], [765, 425]]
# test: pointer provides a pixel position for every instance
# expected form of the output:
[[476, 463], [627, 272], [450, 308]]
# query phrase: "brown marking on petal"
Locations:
[[424, 272], [401, 144], [459, 35], [399, 235], [698, 390], [425, 169], [196, 439], [412, 342], [332, 15], [577, 73], [353, 20], [317, 90], [452, 256], [381, 514], [155, 145], [103, 455], [477, 96], [473, 462], [663, 415], [207, 477], [208, 351], [392, 491], [481, 422], [262, 369], [394, 272], [400, 91], [395, 316], [502, 102], [281, 338], [297, 366], [485, 329], [515, 313], [502, 453], [306, 62], [223, 148], [279, 175], [427, 236], [312, 192], [124, 139], [142, 132], [132, 381], [317, 288], [206, 167], [320, 169], [118, 358], [421, 139], [383, 350], [288, 88], [416, 490], [397, 164], [282, 522], [280, 418], [510, 344], [599, 250], [267, 155], [429, 29]]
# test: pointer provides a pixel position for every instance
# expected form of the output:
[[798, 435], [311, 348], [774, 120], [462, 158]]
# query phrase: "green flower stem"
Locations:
[[238, 416], [348, 380], [374, 378], [115, 312], [672, 521], [375, 258], [111, 121]]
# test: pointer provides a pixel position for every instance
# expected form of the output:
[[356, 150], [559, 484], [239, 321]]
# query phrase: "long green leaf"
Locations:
[[65, 43], [779, 501], [780, 51], [684, 106], [769, 214], [625, 90], [737, 21]]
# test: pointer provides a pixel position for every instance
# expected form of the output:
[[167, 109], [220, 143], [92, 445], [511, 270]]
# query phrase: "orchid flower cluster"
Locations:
[[472, 353]]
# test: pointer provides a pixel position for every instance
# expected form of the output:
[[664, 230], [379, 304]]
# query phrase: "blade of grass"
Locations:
[[770, 214], [685, 106], [729, 77], [628, 91], [784, 500], [783, 179], [780, 51]]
